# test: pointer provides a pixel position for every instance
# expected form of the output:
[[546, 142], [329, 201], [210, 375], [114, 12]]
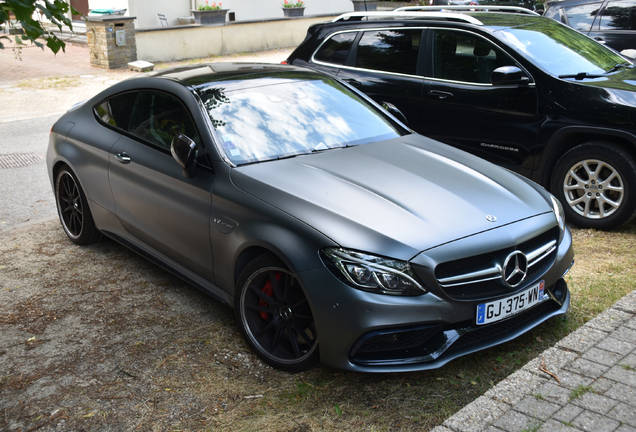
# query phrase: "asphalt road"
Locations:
[[25, 191]]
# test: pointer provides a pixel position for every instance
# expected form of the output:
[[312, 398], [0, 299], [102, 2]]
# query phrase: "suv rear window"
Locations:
[[619, 15], [389, 50], [336, 49], [581, 17]]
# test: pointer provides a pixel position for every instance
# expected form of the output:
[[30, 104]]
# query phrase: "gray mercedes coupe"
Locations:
[[337, 234]]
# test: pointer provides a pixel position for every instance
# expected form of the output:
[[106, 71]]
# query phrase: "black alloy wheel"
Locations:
[[596, 184], [73, 209], [275, 317]]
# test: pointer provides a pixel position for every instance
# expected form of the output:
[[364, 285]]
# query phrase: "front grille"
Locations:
[[477, 277]]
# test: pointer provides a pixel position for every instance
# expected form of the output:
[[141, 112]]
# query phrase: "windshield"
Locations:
[[285, 118], [559, 50]]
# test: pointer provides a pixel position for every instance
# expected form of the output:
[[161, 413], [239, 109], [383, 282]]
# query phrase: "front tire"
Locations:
[[73, 210], [596, 183], [275, 317]]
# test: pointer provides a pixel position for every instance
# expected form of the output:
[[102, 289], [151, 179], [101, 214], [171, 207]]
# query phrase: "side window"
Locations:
[[619, 15], [461, 56], [582, 17], [158, 118], [336, 49], [116, 110], [389, 50]]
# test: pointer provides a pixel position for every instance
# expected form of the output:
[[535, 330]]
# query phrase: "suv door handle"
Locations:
[[123, 157], [599, 39], [440, 94], [353, 82]]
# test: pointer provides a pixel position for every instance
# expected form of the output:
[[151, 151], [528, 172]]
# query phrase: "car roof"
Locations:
[[246, 73]]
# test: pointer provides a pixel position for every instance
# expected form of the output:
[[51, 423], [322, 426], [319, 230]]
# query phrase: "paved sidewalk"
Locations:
[[587, 382]]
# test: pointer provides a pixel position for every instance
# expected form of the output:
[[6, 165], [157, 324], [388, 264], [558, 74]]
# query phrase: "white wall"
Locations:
[[245, 10]]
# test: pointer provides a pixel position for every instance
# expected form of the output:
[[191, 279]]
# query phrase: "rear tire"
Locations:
[[596, 183], [275, 317], [73, 210]]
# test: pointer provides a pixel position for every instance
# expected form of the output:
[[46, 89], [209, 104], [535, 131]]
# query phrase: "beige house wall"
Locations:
[[186, 42]]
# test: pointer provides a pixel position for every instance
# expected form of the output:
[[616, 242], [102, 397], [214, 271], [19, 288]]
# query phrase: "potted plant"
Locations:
[[365, 5], [293, 8], [209, 14]]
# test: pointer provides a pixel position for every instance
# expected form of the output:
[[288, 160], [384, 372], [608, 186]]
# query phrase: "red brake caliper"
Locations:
[[268, 290]]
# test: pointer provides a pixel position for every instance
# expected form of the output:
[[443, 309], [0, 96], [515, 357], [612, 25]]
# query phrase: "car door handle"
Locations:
[[440, 94], [353, 82], [123, 157], [599, 40]]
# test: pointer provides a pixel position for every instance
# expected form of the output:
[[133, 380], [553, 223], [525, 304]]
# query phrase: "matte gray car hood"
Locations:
[[395, 197]]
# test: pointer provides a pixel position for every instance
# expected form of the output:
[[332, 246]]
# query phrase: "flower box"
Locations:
[[209, 17], [293, 11]]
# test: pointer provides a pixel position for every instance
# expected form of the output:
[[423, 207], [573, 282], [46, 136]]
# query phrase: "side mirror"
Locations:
[[508, 75], [184, 151], [395, 112]]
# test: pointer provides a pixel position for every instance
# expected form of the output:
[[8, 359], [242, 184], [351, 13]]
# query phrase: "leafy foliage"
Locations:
[[24, 11]]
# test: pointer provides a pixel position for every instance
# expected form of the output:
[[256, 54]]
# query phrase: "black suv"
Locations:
[[612, 22], [520, 90]]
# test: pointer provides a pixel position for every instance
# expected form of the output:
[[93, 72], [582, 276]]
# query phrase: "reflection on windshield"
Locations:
[[290, 118], [559, 50]]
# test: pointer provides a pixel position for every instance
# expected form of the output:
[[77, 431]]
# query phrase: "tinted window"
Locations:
[[116, 110], [336, 49], [389, 50], [461, 56], [288, 118], [158, 118], [619, 15], [582, 17]]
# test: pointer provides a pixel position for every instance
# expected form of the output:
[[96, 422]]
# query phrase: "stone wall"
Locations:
[[111, 41]]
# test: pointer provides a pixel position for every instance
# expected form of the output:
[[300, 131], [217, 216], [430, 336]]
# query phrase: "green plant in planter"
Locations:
[[206, 6]]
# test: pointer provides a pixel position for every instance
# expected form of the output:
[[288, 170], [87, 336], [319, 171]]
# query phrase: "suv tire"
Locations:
[[596, 183]]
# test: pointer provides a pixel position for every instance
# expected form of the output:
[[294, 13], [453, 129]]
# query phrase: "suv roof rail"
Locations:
[[487, 8], [452, 16]]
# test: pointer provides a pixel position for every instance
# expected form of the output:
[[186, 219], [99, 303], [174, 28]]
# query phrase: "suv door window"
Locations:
[[389, 50], [619, 15], [336, 49], [462, 56], [582, 17]]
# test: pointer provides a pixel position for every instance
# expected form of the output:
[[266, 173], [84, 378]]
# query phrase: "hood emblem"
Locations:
[[491, 218], [515, 269]]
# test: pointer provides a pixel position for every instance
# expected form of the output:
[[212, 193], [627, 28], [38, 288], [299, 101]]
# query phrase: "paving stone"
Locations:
[[609, 320], [556, 426], [616, 345], [581, 340], [515, 387], [627, 303], [629, 360], [572, 380], [620, 374], [596, 403], [602, 385], [493, 429], [567, 413], [554, 359], [624, 413], [536, 408], [587, 368], [592, 422], [474, 417], [626, 428], [441, 429], [625, 334], [513, 421], [631, 323], [551, 392], [622, 393], [604, 357]]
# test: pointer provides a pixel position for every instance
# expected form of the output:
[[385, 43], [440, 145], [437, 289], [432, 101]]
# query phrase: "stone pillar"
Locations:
[[111, 40]]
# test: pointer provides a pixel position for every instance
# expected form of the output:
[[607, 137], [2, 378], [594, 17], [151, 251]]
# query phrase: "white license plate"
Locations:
[[499, 309]]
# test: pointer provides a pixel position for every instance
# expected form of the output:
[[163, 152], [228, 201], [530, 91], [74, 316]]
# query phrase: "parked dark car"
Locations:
[[612, 22], [336, 233], [520, 90]]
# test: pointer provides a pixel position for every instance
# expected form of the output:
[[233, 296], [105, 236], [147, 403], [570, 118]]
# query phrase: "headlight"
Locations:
[[373, 273], [557, 208]]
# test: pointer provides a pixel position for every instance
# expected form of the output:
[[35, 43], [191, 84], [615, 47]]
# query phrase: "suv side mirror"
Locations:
[[395, 112], [508, 75], [184, 151]]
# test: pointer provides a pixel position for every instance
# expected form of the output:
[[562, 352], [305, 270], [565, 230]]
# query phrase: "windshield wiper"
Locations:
[[581, 76], [620, 66]]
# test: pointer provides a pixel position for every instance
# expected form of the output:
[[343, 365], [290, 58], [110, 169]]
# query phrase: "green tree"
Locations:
[[55, 11]]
